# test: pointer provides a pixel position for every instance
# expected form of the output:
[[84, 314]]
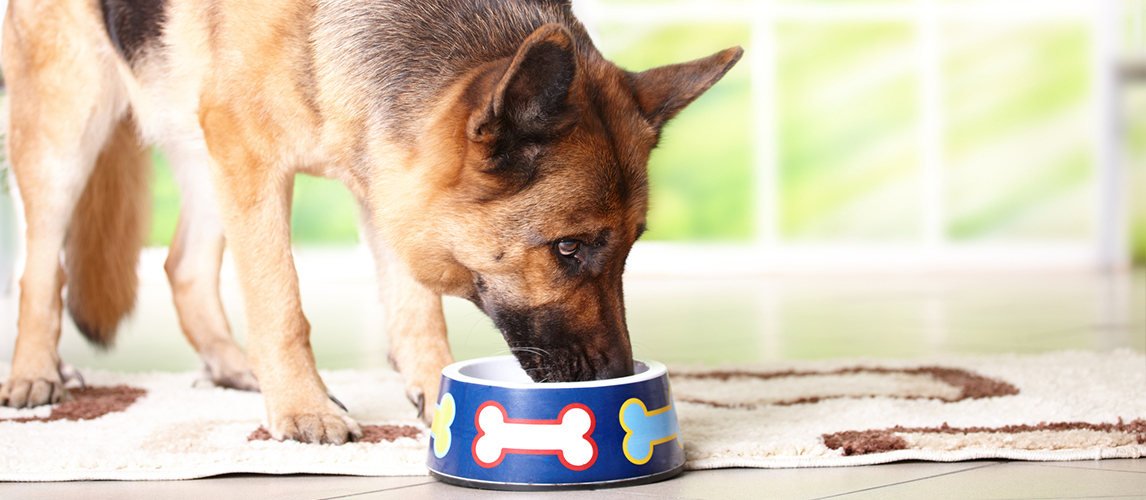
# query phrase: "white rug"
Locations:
[[1056, 406]]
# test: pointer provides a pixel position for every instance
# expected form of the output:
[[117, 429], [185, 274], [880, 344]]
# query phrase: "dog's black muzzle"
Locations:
[[554, 345]]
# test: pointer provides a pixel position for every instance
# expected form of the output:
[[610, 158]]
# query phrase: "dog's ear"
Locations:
[[663, 92], [530, 101]]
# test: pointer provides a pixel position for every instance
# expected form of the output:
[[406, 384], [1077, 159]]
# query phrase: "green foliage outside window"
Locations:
[[323, 212], [701, 173]]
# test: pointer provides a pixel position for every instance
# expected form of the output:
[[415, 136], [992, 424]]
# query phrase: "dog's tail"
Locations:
[[106, 234]]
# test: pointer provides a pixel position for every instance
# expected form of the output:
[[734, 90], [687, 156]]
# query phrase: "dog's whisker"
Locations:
[[533, 350]]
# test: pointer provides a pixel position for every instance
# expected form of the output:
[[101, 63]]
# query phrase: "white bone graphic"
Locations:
[[568, 436]]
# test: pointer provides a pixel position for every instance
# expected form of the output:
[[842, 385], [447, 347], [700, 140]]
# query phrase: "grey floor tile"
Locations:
[[1015, 481], [793, 484], [237, 486], [439, 491], [1124, 465]]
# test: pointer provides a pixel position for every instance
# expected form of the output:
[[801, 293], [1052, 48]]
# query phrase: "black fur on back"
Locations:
[[132, 24]]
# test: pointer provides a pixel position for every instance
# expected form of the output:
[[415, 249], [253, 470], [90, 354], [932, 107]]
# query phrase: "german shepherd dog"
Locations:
[[496, 156]]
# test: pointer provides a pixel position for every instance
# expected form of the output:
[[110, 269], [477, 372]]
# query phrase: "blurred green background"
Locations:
[[1017, 127]]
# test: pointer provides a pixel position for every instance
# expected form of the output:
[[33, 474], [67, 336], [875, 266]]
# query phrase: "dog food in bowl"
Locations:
[[495, 428]]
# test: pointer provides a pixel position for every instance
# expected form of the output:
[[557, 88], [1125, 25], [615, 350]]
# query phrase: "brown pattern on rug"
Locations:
[[89, 403], [969, 385], [181, 432], [370, 433], [885, 440]]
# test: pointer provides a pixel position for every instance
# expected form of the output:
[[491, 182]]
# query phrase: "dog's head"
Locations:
[[535, 225]]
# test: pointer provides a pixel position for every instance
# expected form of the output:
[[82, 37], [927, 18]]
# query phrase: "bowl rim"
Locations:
[[454, 372]]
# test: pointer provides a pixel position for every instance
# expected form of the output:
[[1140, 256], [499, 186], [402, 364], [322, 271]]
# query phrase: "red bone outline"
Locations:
[[526, 421]]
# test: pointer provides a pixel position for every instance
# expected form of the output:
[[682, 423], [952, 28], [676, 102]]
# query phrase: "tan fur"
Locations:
[[513, 135], [193, 264], [50, 78], [106, 234]]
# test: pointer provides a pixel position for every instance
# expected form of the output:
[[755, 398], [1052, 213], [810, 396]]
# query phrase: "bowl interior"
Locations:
[[505, 371]]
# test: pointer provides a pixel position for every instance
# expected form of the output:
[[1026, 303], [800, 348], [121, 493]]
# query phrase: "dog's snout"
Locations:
[[552, 346], [615, 367]]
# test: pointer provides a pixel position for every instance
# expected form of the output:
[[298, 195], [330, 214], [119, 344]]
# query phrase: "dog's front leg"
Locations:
[[255, 202], [415, 324]]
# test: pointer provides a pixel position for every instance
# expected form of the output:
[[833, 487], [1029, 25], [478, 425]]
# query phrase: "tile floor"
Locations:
[[682, 321]]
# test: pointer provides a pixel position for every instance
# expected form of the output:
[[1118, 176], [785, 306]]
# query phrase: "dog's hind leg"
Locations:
[[193, 264], [415, 325], [65, 100]]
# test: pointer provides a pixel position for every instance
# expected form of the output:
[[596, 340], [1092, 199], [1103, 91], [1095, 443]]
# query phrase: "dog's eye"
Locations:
[[568, 248]]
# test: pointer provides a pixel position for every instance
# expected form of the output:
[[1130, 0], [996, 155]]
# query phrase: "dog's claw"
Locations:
[[337, 402], [418, 398], [69, 373]]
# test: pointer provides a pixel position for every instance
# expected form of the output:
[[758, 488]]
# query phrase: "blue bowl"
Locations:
[[495, 428]]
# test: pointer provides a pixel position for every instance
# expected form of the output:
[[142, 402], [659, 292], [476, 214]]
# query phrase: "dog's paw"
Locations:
[[227, 366], [27, 392], [243, 380], [331, 427], [38, 383]]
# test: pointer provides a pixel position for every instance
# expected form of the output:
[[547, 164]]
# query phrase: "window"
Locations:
[[933, 132]]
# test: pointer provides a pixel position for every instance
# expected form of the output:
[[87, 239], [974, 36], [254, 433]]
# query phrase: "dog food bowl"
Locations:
[[495, 428]]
